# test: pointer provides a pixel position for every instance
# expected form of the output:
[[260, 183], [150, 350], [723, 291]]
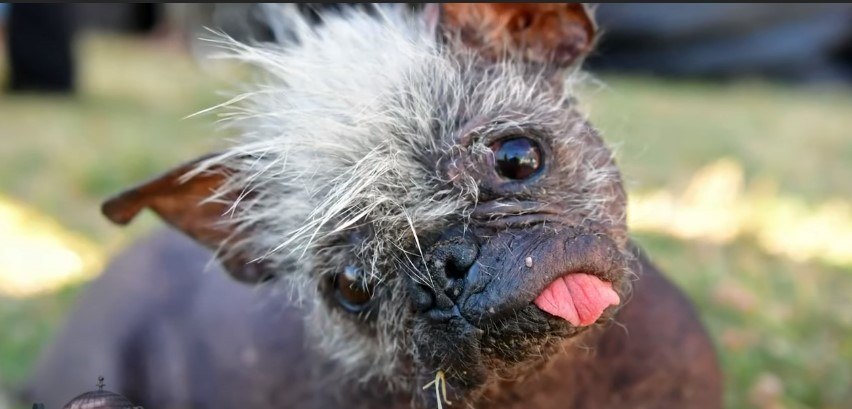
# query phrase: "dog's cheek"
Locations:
[[394, 324]]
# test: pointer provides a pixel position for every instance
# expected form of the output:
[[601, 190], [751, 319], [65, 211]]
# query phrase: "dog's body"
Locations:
[[168, 335], [427, 218]]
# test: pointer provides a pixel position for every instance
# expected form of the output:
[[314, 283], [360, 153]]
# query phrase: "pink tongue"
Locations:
[[578, 298]]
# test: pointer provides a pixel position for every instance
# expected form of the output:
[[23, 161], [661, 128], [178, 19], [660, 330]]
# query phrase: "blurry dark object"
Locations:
[[147, 16], [40, 38], [176, 24], [136, 18], [799, 42]]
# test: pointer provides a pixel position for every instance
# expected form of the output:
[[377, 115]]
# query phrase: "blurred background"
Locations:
[[732, 124]]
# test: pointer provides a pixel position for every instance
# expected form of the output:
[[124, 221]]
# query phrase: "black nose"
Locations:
[[447, 263]]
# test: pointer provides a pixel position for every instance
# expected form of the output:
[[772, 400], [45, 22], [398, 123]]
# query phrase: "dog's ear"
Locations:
[[559, 34], [182, 198]]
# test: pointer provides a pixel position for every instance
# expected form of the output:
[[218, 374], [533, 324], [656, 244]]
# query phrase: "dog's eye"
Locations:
[[517, 158], [350, 290]]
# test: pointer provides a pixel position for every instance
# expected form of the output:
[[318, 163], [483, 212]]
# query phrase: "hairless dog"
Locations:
[[414, 213]]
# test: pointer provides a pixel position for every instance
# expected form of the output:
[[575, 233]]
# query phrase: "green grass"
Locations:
[[769, 316], [777, 322], [800, 138]]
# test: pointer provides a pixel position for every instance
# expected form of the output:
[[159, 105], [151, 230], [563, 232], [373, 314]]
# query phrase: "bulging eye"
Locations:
[[517, 158], [350, 291]]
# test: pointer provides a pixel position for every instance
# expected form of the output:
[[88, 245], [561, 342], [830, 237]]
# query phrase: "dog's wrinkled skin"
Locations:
[[370, 152]]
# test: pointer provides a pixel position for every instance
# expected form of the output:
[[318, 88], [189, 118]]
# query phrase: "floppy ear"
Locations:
[[184, 205], [560, 34]]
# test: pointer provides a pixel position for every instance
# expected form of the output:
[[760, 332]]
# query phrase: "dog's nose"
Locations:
[[447, 263]]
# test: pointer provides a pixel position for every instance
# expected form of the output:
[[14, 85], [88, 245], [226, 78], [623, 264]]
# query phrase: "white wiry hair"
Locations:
[[344, 130]]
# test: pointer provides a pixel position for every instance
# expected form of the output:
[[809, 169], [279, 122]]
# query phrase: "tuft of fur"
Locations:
[[347, 128]]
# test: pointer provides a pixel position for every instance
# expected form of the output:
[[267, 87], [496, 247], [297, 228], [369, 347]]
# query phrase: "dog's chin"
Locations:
[[469, 356]]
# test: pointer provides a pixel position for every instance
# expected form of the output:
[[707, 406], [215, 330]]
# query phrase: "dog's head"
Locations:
[[423, 182]]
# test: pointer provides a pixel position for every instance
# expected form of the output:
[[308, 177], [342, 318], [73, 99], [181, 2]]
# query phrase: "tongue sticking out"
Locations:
[[578, 298]]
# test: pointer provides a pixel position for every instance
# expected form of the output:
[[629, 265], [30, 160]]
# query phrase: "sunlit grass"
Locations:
[[716, 206], [739, 191], [38, 255]]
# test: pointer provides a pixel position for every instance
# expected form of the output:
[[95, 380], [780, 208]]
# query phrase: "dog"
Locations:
[[415, 214]]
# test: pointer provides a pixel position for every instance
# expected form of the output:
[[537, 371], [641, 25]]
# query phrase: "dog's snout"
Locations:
[[450, 260], [447, 264]]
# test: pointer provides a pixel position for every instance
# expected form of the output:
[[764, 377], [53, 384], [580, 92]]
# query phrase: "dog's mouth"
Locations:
[[578, 298], [571, 274], [527, 293]]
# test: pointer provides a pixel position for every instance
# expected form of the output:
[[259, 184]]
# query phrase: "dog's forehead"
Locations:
[[358, 80], [454, 102]]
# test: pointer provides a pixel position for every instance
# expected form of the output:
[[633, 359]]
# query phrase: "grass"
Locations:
[[782, 324]]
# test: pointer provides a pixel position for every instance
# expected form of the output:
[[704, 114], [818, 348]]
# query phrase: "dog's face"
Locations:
[[424, 184]]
